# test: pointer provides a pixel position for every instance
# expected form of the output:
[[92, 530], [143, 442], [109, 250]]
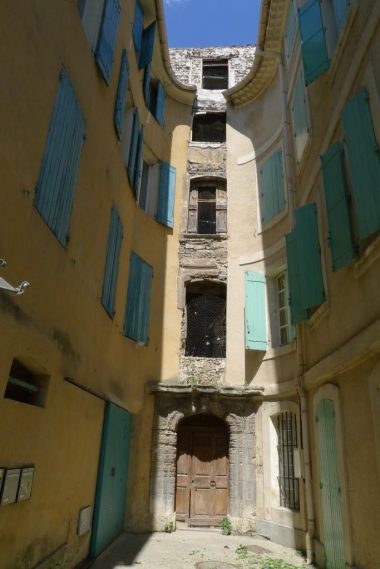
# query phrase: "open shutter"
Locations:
[[297, 312], [121, 94], [341, 8], [138, 25], [161, 103], [221, 210], [133, 146], [115, 237], [138, 300], [147, 45], [139, 161], [107, 38], [255, 312], [165, 212], [338, 209], [272, 186], [146, 84], [299, 117], [313, 43], [59, 169], [364, 162], [290, 31]]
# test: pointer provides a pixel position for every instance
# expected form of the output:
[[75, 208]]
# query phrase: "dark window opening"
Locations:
[[215, 74], [143, 193], [209, 127], [206, 210], [287, 443], [25, 386], [153, 94], [206, 321]]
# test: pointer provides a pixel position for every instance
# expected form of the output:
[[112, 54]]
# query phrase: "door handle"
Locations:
[[212, 483]]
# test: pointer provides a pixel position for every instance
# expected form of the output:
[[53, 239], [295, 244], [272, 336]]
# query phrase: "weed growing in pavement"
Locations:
[[226, 526]]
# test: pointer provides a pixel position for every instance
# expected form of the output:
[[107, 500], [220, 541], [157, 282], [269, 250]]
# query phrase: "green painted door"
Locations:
[[112, 478], [330, 486]]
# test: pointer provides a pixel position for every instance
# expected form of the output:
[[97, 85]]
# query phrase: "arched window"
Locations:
[[207, 207]]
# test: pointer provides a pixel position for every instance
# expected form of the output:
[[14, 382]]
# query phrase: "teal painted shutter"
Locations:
[[133, 146], [139, 161], [290, 31], [297, 312], [255, 312], [272, 187], [138, 300], [121, 94], [338, 208], [161, 103], [364, 162], [59, 169], [146, 84], [165, 213], [341, 8], [81, 6], [299, 117], [138, 25], [115, 237], [147, 45], [309, 252], [107, 38], [314, 52]]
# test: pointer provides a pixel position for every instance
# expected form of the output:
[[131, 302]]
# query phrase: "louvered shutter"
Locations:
[[115, 237], [297, 312], [136, 324], [290, 30], [59, 169], [139, 161], [338, 208], [165, 212], [272, 186], [299, 117], [341, 8], [138, 25], [364, 162], [161, 103], [146, 84], [135, 132], [147, 45], [121, 95], [255, 312], [107, 38], [313, 43]]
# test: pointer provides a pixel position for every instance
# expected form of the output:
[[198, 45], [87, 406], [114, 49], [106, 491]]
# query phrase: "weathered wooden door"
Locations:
[[330, 486], [202, 471]]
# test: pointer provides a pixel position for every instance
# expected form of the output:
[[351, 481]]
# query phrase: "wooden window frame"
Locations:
[[220, 205]]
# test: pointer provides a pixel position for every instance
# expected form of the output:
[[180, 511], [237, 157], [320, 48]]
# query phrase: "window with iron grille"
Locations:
[[206, 321], [287, 443], [207, 207], [215, 74]]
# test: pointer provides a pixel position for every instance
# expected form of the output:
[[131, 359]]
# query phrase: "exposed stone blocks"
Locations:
[[202, 371]]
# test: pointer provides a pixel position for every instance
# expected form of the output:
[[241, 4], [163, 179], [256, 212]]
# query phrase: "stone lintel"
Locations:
[[225, 391]]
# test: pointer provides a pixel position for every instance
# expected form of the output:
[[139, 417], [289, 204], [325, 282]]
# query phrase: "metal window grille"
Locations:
[[209, 127], [206, 325], [287, 442], [206, 211]]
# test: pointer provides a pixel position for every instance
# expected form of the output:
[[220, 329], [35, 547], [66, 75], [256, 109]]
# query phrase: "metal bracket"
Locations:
[[5, 285]]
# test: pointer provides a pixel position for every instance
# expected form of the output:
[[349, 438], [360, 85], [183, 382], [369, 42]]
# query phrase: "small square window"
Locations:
[[26, 387], [215, 74], [209, 127]]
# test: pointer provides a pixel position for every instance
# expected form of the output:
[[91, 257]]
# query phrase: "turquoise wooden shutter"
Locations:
[[59, 169], [139, 161], [165, 213], [121, 94], [161, 103], [135, 132], [341, 8], [146, 84], [338, 208], [272, 187], [297, 311], [138, 300], [364, 162], [290, 30], [115, 237], [138, 25], [309, 252], [314, 52], [255, 312], [299, 116], [147, 45], [107, 38]]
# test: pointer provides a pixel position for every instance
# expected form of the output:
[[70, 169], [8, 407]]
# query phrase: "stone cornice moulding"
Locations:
[[182, 388]]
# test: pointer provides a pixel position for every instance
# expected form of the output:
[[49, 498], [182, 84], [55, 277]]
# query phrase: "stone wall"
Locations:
[[202, 371]]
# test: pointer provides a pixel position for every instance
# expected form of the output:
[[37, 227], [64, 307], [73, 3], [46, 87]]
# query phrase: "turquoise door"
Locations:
[[330, 486], [112, 478]]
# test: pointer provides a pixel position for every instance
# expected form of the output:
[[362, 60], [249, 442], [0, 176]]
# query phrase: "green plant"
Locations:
[[226, 526], [169, 527], [242, 552]]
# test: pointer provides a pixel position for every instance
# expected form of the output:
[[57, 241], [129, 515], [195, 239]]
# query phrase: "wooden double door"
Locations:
[[202, 471]]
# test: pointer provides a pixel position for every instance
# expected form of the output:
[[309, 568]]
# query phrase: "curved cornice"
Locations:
[[271, 29]]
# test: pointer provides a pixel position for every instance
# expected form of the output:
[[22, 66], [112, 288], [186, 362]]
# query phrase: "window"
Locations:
[[115, 236], [154, 95], [215, 74], [134, 165], [26, 387], [287, 330], [149, 187], [136, 325], [301, 131], [286, 426], [206, 320], [209, 127], [60, 165], [207, 207], [121, 94], [290, 30], [271, 183]]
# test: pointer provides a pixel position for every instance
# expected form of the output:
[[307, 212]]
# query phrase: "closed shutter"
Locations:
[[146, 84], [147, 45], [290, 31], [272, 187], [121, 94], [138, 300], [107, 38], [299, 117], [338, 209], [364, 162], [138, 25], [133, 146], [255, 312], [59, 169], [341, 8], [115, 237], [139, 161], [313, 43], [221, 210], [165, 212], [161, 103], [297, 311]]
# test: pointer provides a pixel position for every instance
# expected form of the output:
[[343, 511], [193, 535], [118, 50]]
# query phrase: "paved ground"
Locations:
[[195, 549]]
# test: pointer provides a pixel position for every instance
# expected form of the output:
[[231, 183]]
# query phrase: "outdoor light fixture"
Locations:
[[5, 285]]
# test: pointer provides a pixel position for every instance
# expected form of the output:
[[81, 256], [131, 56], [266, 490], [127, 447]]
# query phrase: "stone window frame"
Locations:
[[220, 205]]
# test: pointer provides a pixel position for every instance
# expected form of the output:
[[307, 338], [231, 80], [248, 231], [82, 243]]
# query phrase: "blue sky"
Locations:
[[202, 23]]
